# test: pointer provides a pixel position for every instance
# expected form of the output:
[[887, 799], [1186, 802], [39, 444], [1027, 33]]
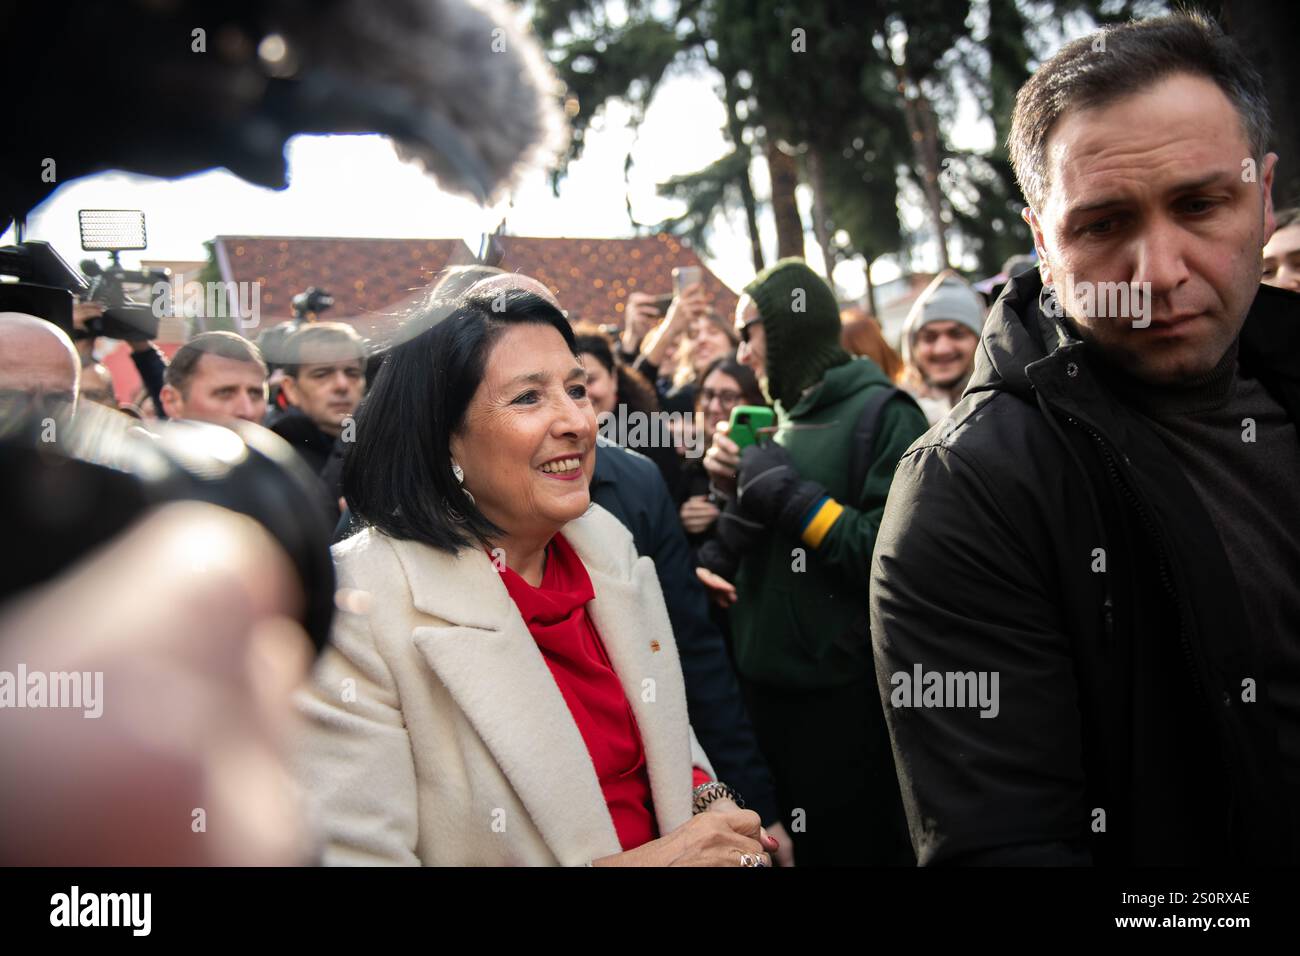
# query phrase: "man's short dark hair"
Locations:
[[180, 371], [397, 475], [330, 341], [1118, 61]]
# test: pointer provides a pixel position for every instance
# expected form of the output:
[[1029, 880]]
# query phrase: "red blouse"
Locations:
[[556, 616]]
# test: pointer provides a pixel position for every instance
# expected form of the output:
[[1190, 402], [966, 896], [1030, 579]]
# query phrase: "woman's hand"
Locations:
[[722, 591], [722, 460], [717, 837], [768, 838], [697, 513], [685, 308]]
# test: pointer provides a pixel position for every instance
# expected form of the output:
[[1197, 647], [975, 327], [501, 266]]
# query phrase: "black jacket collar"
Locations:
[[1023, 349]]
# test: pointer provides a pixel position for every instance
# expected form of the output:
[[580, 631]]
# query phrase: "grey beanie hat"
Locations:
[[948, 298]]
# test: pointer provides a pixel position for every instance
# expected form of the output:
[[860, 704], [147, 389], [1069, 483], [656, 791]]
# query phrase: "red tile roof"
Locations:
[[372, 278]]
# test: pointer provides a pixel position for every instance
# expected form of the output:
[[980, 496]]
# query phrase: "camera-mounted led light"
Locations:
[[112, 230]]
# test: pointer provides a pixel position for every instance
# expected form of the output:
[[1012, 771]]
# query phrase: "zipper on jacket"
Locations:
[[1117, 476], [1166, 579]]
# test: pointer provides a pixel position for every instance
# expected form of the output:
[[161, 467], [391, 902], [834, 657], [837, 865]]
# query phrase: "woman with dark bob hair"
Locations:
[[502, 686]]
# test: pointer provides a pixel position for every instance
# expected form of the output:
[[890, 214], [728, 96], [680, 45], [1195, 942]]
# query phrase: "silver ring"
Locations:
[[748, 859]]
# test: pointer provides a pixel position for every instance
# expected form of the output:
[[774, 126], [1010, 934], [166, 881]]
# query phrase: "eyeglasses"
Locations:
[[744, 329], [724, 396]]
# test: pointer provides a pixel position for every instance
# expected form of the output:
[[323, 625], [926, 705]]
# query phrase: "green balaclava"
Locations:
[[801, 320]]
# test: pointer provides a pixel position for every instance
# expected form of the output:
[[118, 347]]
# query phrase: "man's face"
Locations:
[[220, 391], [1159, 187], [753, 340], [944, 352], [1282, 259], [327, 392]]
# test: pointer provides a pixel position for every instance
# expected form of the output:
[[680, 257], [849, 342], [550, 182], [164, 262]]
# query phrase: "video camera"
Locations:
[[47, 286], [314, 300]]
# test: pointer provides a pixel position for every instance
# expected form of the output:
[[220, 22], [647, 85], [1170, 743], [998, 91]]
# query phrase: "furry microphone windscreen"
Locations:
[[469, 68], [180, 86]]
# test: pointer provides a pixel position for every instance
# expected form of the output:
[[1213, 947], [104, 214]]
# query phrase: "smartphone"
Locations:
[[662, 302], [746, 420], [684, 276]]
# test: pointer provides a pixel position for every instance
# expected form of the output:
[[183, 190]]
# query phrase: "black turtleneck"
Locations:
[[1241, 454]]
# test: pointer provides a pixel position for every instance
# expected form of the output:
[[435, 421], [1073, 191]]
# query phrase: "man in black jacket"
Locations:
[[1103, 532], [325, 378]]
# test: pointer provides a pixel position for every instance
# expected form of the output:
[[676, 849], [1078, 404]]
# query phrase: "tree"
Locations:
[[599, 60], [705, 192], [859, 98], [861, 190]]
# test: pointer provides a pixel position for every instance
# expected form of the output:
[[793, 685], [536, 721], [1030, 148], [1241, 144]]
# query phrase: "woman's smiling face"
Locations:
[[528, 441], [707, 342]]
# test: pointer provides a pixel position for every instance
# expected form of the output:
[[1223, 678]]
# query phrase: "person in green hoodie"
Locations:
[[794, 561]]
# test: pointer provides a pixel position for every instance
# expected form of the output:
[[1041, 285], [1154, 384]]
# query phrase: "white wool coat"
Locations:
[[434, 732]]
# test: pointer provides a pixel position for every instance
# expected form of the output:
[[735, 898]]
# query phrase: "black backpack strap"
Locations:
[[864, 437], [857, 640]]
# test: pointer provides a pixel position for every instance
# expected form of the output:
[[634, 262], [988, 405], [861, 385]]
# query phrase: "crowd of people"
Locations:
[[1022, 590]]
